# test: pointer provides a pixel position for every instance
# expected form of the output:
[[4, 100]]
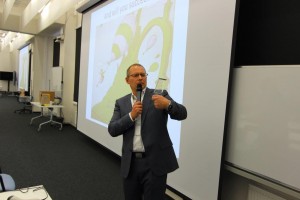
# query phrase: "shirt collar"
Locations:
[[134, 97]]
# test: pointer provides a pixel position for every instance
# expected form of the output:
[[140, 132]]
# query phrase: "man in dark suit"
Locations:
[[147, 151]]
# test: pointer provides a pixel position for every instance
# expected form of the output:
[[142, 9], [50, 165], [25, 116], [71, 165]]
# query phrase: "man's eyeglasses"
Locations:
[[138, 74]]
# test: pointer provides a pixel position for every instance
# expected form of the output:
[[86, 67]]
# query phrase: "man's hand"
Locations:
[[160, 102], [137, 109]]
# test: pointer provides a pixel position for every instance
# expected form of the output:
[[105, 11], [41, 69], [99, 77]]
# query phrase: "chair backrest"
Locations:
[[7, 183], [25, 99]]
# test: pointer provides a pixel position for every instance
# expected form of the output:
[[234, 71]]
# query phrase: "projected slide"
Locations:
[[149, 32], [24, 68], [189, 42]]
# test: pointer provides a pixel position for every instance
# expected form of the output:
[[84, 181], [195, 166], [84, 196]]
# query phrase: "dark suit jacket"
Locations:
[[158, 146]]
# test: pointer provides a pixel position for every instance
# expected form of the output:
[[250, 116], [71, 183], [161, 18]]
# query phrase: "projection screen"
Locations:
[[186, 42], [23, 78]]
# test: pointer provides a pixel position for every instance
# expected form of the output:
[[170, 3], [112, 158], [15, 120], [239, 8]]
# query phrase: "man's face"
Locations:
[[136, 75]]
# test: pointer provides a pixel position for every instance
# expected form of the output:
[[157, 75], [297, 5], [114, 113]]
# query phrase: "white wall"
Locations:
[[5, 65], [67, 60], [39, 65]]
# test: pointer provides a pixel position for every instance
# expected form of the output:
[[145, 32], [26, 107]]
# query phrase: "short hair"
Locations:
[[135, 64]]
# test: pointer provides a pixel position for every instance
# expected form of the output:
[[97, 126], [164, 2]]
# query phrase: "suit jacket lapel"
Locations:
[[128, 104]]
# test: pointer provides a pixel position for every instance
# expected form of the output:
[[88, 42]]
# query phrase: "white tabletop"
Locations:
[[38, 104], [33, 193]]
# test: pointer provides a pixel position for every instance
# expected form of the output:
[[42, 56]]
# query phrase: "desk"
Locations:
[[50, 108], [34, 193]]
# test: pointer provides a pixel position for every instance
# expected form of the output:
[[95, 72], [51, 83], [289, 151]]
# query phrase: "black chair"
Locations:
[[7, 183], [25, 101]]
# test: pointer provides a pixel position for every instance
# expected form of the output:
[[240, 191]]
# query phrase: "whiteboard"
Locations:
[[57, 75], [264, 122]]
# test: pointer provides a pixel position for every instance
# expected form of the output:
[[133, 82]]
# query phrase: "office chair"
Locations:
[[25, 100], [7, 183]]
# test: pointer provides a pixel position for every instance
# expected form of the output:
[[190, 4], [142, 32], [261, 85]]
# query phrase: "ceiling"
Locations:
[[18, 6], [17, 9], [19, 17], [16, 12]]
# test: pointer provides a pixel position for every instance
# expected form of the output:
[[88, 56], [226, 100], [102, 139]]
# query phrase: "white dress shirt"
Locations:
[[138, 145]]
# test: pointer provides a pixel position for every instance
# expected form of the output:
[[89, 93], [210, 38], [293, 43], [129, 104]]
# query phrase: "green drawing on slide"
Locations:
[[135, 37]]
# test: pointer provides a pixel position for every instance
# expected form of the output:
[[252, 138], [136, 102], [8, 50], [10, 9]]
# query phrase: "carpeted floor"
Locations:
[[69, 165]]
